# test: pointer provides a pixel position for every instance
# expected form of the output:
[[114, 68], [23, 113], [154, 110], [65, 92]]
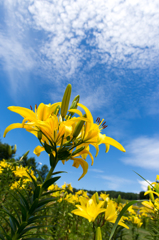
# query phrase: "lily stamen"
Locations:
[[101, 124]]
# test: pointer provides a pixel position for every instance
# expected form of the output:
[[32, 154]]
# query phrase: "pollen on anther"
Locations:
[[31, 107]]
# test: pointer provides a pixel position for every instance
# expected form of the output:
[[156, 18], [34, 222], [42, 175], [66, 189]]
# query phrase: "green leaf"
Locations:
[[33, 227], [7, 236], [63, 155], [49, 182], [13, 226], [52, 160], [144, 179], [34, 206], [36, 192], [23, 209], [33, 180], [58, 172], [1, 237], [121, 214], [14, 220], [34, 239], [22, 226], [44, 201], [50, 192], [34, 219], [48, 148], [39, 175], [24, 200]]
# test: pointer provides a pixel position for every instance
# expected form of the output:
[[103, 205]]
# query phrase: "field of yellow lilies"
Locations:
[[33, 208]]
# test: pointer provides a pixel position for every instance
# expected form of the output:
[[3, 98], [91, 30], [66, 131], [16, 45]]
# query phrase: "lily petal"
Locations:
[[12, 126], [24, 112], [38, 150], [76, 111], [108, 140], [83, 163]]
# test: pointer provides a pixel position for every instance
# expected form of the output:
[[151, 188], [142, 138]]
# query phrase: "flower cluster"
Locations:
[[63, 135]]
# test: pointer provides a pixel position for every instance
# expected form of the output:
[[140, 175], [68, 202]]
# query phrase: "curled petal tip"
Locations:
[[124, 149]]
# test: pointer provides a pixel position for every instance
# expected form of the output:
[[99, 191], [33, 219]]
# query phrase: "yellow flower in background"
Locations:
[[64, 186], [105, 196], [136, 221], [111, 214], [53, 187], [20, 171], [69, 187], [4, 164], [89, 208], [131, 210]]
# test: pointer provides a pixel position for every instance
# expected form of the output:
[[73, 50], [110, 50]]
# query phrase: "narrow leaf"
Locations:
[[143, 178], [50, 192], [24, 200], [121, 214], [1, 237], [33, 227], [58, 172], [34, 219], [49, 182], [14, 220], [36, 192], [39, 176], [34, 206], [33, 180], [34, 239]]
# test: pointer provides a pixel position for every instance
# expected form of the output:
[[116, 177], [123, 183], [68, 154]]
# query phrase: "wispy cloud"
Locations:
[[112, 32], [144, 184], [16, 53], [115, 182], [143, 152], [82, 42], [96, 170]]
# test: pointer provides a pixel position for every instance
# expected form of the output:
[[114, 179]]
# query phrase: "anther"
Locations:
[[31, 107]]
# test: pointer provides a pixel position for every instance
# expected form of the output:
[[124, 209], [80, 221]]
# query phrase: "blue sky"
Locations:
[[109, 52]]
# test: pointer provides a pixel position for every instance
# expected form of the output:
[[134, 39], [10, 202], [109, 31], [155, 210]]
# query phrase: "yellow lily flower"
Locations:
[[111, 214], [89, 208], [91, 133], [42, 113]]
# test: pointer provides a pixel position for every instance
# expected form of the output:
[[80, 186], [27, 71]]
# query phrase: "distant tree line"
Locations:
[[114, 194]]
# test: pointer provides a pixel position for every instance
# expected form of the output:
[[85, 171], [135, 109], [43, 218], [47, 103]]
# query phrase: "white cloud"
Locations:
[[121, 32], [15, 52], [96, 170], [144, 184], [66, 39], [115, 182], [143, 152]]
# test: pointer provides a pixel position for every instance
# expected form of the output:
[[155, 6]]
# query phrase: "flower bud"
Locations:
[[98, 234], [78, 127], [24, 156], [97, 197], [9, 150], [66, 100], [151, 194], [74, 102], [14, 149], [39, 135], [78, 150]]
